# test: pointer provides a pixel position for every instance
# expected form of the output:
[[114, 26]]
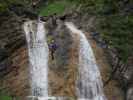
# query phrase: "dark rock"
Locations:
[[43, 18], [3, 54], [63, 18], [5, 67], [30, 14]]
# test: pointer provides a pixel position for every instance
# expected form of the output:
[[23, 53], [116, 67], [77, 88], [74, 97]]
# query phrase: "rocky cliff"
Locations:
[[13, 56], [14, 66]]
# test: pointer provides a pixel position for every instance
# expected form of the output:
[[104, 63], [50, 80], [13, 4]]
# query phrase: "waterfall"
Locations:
[[89, 84], [38, 57]]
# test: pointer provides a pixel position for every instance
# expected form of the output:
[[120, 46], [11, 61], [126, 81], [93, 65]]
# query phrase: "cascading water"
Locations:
[[38, 58], [89, 84]]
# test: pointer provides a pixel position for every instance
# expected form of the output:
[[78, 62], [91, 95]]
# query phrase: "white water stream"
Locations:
[[38, 57], [89, 83]]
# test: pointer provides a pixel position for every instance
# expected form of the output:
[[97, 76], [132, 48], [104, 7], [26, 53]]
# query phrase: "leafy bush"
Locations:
[[117, 31], [53, 7]]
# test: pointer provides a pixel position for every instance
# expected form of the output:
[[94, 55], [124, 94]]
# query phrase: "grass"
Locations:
[[5, 97], [57, 7]]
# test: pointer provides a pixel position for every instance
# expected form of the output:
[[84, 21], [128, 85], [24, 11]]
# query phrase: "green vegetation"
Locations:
[[4, 96], [57, 7], [117, 31]]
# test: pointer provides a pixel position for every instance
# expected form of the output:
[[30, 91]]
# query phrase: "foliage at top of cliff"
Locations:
[[52, 8], [55, 7]]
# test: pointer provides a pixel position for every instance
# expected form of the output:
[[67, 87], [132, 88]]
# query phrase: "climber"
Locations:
[[52, 48]]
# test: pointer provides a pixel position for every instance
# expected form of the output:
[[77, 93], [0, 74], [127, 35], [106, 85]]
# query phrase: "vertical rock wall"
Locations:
[[13, 56]]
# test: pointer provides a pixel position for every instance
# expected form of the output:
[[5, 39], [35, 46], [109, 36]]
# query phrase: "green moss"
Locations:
[[52, 8], [4, 96]]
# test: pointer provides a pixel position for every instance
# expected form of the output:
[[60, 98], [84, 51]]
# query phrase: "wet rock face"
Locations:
[[64, 41], [58, 35], [62, 69]]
